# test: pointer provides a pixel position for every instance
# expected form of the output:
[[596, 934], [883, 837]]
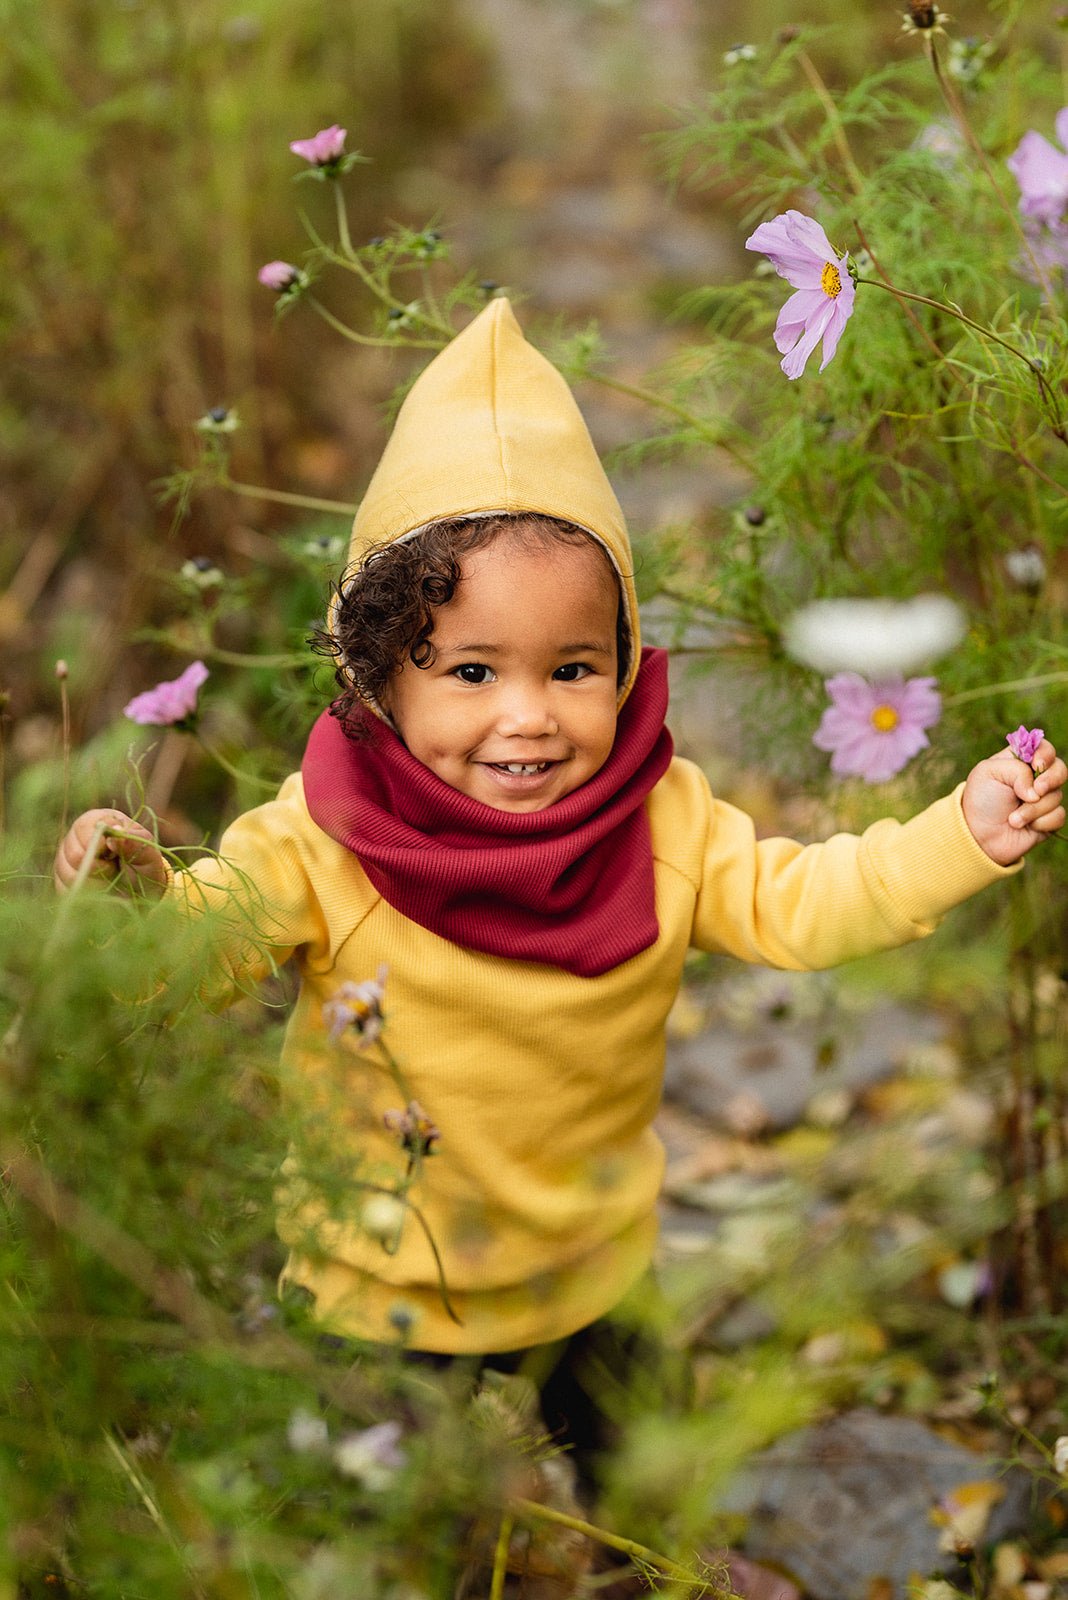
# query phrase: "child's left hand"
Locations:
[[1009, 807]]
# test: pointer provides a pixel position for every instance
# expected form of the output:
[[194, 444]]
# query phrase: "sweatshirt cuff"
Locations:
[[933, 863]]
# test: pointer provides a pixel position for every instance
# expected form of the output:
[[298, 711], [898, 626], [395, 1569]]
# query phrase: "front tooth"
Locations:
[[518, 767]]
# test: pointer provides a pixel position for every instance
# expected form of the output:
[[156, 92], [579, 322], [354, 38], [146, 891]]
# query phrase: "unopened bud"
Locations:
[[62, 671], [382, 1216], [788, 34]]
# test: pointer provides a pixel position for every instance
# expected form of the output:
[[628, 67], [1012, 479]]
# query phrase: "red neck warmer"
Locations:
[[570, 886]]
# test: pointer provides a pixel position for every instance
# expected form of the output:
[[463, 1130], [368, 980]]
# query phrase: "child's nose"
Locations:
[[526, 714]]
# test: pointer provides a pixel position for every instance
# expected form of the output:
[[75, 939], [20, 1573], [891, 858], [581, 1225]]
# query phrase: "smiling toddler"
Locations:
[[491, 809]]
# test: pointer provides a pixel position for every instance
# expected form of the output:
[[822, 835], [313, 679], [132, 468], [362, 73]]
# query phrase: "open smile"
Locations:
[[520, 778], [521, 767]]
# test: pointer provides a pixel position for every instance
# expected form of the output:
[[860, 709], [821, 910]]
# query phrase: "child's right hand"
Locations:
[[138, 853]]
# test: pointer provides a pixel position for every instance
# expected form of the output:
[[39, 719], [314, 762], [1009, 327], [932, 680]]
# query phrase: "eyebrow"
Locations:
[[584, 647]]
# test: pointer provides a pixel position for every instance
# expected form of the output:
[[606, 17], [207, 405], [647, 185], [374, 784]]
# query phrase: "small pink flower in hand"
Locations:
[[170, 704], [1024, 742]]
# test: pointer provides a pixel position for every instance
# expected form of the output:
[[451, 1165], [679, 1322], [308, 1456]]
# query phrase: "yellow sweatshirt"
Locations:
[[541, 1196]]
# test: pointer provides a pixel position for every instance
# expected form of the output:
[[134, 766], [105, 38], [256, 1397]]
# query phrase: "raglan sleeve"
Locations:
[[256, 894], [803, 907]]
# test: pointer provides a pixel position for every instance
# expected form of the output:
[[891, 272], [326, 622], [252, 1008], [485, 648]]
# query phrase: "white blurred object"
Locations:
[[1026, 567], [877, 638]]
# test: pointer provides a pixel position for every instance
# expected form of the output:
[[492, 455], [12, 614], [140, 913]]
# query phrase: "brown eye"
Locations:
[[572, 672], [473, 672]]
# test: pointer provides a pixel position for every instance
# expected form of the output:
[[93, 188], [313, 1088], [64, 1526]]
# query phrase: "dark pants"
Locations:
[[589, 1384]]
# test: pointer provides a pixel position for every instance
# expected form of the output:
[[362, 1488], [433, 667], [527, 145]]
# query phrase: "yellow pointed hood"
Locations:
[[490, 426]]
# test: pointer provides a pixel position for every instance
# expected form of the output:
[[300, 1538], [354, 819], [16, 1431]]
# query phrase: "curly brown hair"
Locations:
[[383, 610]]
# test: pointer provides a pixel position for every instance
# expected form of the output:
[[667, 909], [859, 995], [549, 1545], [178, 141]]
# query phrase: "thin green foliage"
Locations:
[[174, 1428]]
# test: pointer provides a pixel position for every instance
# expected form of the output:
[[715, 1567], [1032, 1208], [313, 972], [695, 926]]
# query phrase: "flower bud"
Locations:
[[201, 572], [382, 1217], [282, 276], [220, 419]]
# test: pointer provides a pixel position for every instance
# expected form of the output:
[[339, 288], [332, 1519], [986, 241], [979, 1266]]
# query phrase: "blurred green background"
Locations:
[[146, 178]]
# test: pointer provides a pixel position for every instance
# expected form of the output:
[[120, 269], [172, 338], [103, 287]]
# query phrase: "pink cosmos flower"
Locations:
[[169, 703], [1041, 170], [1024, 742], [279, 275], [875, 729], [328, 145], [800, 252]]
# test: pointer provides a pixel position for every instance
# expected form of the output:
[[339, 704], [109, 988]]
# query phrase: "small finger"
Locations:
[[1052, 777], [1043, 757], [1029, 816]]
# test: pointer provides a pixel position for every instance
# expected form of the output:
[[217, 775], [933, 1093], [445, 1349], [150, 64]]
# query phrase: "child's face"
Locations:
[[518, 707]]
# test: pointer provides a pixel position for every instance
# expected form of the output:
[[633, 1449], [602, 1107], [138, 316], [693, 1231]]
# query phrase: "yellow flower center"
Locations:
[[831, 280], [884, 719]]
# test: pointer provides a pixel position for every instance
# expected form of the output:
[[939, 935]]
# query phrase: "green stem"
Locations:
[[342, 221], [238, 658], [352, 263], [430, 299], [530, 1510], [500, 1557], [958, 113], [984, 333], [379, 341], [439, 1265], [1010, 685], [285, 497], [267, 784], [834, 118], [906, 308], [212, 652]]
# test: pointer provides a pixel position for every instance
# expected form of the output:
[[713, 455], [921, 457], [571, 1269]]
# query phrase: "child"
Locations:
[[492, 811]]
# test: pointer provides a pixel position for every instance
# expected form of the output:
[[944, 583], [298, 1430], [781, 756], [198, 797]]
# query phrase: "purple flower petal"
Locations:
[[795, 316], [326, 146], [1041, 170], [277, 275], [1025, 742], [169, 702], [854, 729], [793, 364], [800, 252], [796, 246], [841, 311]]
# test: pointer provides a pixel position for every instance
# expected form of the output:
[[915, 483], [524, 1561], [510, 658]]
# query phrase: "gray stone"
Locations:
[[761, 1077], [848, 1501]]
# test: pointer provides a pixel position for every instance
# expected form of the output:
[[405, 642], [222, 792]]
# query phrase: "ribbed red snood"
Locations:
[[570, 886]]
